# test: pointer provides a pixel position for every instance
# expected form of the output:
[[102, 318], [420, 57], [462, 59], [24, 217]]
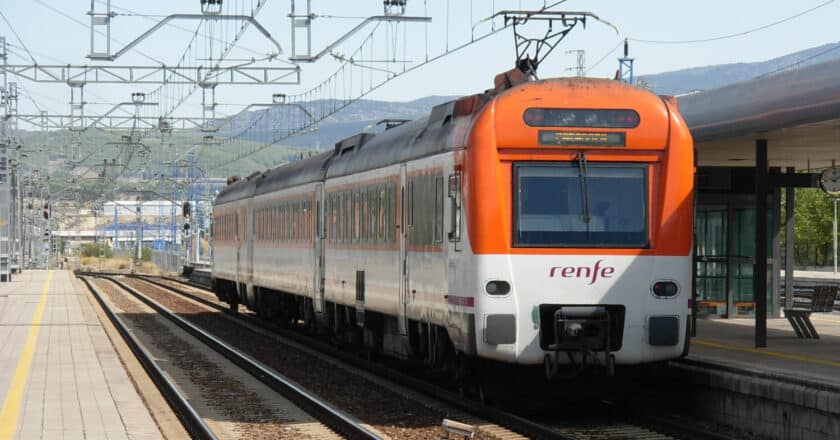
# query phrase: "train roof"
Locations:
[[364, 151], [240, 190], [311, 169], [411, 140]]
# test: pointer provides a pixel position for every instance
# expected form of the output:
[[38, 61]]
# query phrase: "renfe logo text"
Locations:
[[590, 273]]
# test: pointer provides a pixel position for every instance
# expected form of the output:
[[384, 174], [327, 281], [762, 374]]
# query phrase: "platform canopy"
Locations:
[[797, 111]]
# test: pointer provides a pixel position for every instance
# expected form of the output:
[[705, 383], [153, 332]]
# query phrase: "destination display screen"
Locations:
[[584, 118], [581, 139]]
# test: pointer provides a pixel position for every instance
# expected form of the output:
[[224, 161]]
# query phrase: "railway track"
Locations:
[[312, 405], [395, 410], [533, 427]]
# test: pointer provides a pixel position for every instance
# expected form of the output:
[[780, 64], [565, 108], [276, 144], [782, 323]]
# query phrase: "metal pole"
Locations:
[[197, 232], [835, 236], [775, 279], [139, 231], [790, 241], [760, 272], [116, 225]]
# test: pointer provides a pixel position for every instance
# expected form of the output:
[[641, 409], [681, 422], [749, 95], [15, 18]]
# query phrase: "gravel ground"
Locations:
[[226, 395], [388, 412], [581, 421]]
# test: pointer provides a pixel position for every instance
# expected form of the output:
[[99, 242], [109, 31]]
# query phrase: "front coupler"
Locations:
[[583, 334]]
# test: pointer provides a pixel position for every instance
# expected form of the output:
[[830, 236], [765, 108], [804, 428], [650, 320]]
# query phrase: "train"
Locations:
[[541, 222]]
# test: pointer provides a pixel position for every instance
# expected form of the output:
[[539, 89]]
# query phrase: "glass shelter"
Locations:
[[724, 243]]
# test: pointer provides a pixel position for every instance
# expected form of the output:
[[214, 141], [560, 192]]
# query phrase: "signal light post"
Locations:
[[48, 234]]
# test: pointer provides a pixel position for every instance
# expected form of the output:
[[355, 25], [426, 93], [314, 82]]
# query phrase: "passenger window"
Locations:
[[297, 221], [289, 214], [300, 220], [356, 222], [371, 215], [381, 214], [348, 217], [411, 201], [389, 210], [333, 220], [340, 209], [362, 215], [438, 209], [454, 193]]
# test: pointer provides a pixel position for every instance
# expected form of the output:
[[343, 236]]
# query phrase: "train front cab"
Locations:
[[579, 206]]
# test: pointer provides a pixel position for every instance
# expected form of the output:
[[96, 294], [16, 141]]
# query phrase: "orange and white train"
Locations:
[[547, 222]]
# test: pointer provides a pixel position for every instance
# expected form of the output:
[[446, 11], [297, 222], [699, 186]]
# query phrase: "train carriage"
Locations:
[[547, 222]]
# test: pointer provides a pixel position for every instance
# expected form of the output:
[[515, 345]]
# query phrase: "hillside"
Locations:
[[712, 77], [359, 116]]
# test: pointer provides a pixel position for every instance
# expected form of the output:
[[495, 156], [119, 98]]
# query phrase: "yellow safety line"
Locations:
[[11, 406], [817, 318], [776, 354]]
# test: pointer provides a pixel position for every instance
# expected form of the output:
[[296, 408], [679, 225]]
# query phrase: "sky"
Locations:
[[56, 32]]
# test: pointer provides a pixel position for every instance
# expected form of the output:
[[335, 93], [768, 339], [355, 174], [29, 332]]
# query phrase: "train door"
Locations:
[[318, 257], [402, 236]]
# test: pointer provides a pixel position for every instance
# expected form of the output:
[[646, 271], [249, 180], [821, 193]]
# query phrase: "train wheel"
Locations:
[[483, 393], [233, 303], [610, 365]]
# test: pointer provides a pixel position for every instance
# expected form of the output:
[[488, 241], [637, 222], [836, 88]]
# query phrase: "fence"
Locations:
[[168, 261]]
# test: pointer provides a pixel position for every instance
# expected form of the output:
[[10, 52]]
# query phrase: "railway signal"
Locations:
[[185, 209]]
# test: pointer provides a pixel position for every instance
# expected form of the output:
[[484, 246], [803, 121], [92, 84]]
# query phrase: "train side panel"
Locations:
[[361, 219], [283, 252]]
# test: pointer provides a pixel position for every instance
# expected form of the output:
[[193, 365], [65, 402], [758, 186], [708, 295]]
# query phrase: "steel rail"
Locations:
[[329, 415], [516, 423], [503, 418], [191, 420]]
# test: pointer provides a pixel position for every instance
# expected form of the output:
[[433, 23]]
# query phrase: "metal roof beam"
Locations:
[[232, 75]]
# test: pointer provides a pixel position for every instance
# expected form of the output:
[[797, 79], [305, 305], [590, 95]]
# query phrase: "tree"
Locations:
[[813, 226]]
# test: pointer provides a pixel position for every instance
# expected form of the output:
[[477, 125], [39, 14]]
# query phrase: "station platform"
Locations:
[[60, 376], [788, 390], [731, 342]]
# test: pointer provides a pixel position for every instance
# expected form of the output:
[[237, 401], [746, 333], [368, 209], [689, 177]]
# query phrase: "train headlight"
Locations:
[[497, 288], [665, 289]]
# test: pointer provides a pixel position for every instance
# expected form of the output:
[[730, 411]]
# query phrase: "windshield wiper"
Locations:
[[584, 189]]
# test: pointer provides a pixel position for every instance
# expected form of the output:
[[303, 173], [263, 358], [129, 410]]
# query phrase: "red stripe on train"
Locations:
[[465, 301]]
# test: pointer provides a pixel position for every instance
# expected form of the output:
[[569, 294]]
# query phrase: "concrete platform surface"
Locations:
[[731, 342], [59, 374]]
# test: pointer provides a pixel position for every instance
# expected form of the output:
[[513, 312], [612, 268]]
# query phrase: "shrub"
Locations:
[[92, 250]]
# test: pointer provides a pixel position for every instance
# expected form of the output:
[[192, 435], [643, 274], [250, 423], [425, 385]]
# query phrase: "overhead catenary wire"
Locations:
[[20, 40], [86, 26], [802, 61], [605, 56], [360, 74], [41, 55], [736, 34]]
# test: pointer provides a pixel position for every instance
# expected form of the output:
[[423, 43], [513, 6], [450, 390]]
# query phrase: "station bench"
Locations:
[[800, 316]]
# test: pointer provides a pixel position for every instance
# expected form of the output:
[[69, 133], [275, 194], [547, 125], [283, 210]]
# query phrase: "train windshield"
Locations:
[[579, 204]]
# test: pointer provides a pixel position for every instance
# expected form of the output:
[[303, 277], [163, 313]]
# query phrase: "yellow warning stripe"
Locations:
[[11, 406], [817, 318], [776, 354]]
